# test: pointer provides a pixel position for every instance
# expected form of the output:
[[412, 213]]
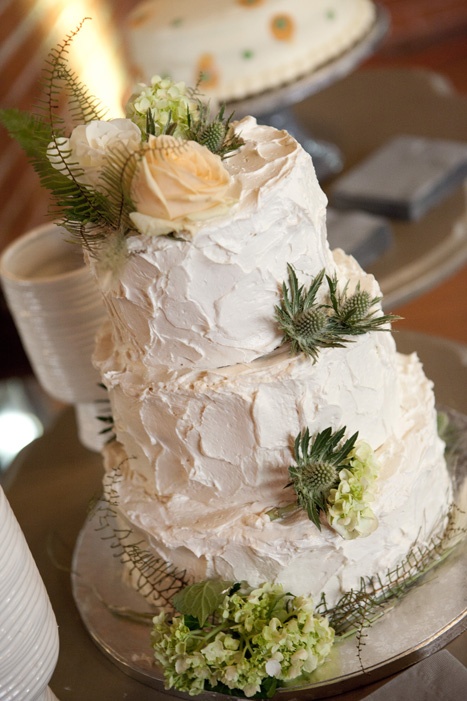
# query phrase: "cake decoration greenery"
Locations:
[[165, 107], [152, 574], [309, 325], [162, 107], [303, 321], [231, 638], [240, 640], [354, 314], [236, 639], [333, 478], [158, 171], [106, 418]]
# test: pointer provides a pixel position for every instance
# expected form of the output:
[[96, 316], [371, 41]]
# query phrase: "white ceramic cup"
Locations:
[[57, 309]]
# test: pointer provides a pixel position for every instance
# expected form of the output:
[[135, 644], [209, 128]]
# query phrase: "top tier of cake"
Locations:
[[209, 301], [242, 47]]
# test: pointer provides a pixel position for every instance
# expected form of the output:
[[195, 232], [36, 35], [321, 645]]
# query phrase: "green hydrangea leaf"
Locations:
[[201, 599]]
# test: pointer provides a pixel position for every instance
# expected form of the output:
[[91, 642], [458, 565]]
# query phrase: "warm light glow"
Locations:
[[17, 429], [95, 54]]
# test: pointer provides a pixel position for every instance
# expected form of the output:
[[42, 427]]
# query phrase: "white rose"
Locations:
[[89, 144], [177, 184]]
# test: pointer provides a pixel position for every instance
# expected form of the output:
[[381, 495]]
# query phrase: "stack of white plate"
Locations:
[[28, 629]]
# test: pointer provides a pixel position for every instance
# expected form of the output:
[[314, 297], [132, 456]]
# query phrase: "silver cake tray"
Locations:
[[425, 620]]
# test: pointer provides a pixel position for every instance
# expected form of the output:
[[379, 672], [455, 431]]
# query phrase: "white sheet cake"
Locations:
[[241, 47]]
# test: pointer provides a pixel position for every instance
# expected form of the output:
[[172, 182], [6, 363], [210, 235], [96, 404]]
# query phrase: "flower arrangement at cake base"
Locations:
[[233, 637]]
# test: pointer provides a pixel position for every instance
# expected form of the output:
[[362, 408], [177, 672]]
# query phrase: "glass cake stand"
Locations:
[[272, 106], [426, 619]]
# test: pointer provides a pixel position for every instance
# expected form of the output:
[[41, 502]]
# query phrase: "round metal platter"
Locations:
[[426, 619]]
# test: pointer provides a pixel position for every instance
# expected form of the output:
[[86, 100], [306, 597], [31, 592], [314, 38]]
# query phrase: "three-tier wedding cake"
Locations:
[[207, 401], [272, 447]]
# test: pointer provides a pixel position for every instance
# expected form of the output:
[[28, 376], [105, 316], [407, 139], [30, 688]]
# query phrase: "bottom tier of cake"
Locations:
[[243, 543]]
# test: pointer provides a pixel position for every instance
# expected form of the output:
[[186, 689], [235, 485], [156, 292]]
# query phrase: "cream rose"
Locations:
[[89, 145], [177, 184]]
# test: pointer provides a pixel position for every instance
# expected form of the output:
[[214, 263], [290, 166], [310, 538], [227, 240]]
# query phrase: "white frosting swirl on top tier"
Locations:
[[209, 302]]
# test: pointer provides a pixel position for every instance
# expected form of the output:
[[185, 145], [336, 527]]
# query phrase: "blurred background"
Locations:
[[425, 35]]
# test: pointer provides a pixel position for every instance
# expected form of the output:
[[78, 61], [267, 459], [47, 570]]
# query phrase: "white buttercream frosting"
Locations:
[[207, 403], [224, 436]]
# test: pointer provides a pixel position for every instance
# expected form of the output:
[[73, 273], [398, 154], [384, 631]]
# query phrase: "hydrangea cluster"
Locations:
[[167, 102], [255, 639], [348, 505]]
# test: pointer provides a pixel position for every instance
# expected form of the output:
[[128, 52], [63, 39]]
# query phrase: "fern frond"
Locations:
[[29, 130], [72, 202], [83, 107], [116, 178], [84, 212]]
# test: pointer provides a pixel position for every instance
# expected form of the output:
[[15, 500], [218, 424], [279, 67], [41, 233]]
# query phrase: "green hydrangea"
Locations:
[[254, 639], [167, 102], [348, 505]]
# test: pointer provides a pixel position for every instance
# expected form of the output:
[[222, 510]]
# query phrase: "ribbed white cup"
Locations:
[[28, 630], [57, 309]]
